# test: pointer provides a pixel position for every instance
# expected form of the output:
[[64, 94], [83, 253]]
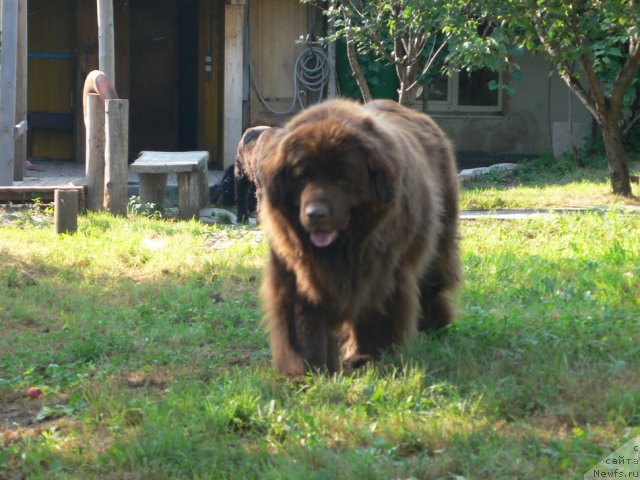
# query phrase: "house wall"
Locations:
[[272, 44], [525, 125], [274, 29]]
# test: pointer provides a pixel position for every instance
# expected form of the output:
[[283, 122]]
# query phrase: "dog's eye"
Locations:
[[300, 175]]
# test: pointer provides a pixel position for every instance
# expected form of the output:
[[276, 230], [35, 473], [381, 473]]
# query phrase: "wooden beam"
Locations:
[[44, 193], [106, 40], [116, 156], [65, 211], [21, 93], [9, 30], [95, 145], [233, 78]]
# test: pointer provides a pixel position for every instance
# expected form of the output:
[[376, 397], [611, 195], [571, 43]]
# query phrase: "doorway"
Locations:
[[164, 75]]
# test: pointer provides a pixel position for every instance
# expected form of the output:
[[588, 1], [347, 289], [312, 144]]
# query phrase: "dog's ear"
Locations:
[[276, 186], [271, 166], [381, 174]]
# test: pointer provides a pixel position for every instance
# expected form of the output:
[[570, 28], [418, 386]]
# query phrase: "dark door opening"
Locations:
[[164, 75], [189, 44]]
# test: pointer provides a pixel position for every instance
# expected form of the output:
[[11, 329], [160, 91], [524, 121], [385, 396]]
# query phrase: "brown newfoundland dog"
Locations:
[[359, 206]]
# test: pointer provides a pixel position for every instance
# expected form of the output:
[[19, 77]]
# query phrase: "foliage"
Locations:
[[136, 206], [145, 337], [595, 47], [418, 37]]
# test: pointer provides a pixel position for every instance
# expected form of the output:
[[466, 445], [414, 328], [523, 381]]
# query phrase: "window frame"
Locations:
[[451, 105]]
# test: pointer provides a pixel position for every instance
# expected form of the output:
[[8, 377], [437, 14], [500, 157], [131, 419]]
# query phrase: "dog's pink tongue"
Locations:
[[323, 239]]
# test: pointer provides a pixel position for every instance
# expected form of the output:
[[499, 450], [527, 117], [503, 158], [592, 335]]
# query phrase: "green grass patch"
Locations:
[[145, 337], [546, 182]]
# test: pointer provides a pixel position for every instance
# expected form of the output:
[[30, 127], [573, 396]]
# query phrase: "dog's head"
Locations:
[[327, 170]]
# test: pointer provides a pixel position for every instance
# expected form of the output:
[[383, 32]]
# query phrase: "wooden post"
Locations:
[[153, 187], [95, 147], [116, 156], [66, 211], [233, 78], [21, 92], [106, 40], [203, 177], [9, 30], [189, 195]]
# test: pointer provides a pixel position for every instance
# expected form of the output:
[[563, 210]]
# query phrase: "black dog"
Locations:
[[224, 193], [247, 177]]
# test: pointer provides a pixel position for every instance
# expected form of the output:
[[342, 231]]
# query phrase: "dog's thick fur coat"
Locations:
[[360, 211]]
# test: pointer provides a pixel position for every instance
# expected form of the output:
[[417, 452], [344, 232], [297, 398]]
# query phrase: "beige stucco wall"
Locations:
[[525, 125]]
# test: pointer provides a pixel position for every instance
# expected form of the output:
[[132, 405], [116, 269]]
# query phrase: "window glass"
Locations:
[[439, 88], [473, 88]]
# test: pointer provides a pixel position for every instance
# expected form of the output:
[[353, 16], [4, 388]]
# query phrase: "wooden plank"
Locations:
[[44, 193], [233, 77], [169, 162], [163, 167], [9, 30], [116, 156], [275, 28], [95, 147], [20, 145]]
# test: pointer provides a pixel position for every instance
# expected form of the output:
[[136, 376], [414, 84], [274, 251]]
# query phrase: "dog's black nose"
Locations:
[[317, 211]]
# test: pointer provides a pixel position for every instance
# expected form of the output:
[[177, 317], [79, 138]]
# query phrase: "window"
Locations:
[[466, 92]]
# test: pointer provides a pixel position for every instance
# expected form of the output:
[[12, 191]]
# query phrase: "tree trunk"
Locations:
[[618, 169], [404, 98], [352, 56]]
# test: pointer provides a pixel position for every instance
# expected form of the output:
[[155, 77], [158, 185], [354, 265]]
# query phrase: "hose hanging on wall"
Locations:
[[311, 70]]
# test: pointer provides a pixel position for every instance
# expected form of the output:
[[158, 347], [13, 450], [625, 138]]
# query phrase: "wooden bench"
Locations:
[[153, 169]]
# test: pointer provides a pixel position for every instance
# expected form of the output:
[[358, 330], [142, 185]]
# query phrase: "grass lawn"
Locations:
[[144, 336], [548, 183]]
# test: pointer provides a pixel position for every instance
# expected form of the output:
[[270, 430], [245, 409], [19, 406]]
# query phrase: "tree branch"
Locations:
[[576, 87], [594, 102], [594, 83], [627, 72], [627, 129], [352, 56]]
